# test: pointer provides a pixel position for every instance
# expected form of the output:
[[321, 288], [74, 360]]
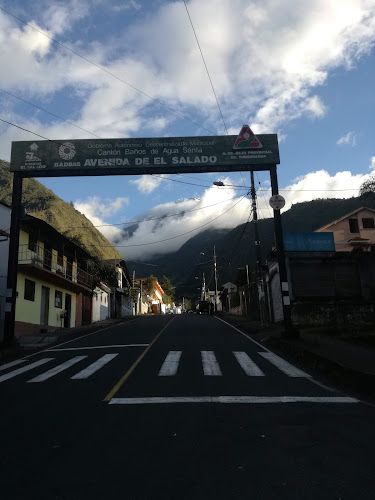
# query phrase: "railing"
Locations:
[[45, 259]]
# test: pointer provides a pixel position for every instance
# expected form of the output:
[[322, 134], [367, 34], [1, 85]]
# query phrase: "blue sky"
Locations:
[[303, 70]]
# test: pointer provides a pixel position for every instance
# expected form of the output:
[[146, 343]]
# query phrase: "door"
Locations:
[[68, 309], [44, 308]]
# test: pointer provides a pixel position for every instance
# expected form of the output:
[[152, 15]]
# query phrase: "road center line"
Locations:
[[124, 378]]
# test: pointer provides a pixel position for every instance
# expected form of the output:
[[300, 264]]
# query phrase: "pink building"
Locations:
[[353, 230]]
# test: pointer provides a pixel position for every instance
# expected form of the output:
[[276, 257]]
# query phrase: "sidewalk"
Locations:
[[24, 344], [348, 359]]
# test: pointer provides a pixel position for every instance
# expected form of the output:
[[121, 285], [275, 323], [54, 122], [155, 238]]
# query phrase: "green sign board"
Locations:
[[141, 156]]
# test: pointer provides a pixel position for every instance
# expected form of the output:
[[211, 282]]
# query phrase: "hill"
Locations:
[[235, 248], [42, 203]]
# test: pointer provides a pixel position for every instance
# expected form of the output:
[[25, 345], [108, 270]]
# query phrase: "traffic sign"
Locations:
[[277, 202]]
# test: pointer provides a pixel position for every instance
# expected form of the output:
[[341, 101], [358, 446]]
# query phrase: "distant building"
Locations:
[[353, 230]]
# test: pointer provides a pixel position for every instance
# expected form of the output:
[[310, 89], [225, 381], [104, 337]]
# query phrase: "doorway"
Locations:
[[68, 309], [44, 308]]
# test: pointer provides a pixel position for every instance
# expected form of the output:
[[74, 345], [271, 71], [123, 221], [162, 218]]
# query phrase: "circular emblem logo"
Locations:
[[67, 151]]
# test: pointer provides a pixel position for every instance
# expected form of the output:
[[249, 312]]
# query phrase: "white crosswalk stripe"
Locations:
[[170, 365], [283, 365], [248, 365], [12, 363], [94, 367], [24, 369], [210, 365], [57, 369]]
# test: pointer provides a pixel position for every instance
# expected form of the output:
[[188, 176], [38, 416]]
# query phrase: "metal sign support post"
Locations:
[[10, 304], [287, 310]]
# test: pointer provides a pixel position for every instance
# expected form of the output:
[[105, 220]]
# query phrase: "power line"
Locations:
[[204, 62], [171, 238], [108, 72], [52, 114], [201, 185], [147, 220]]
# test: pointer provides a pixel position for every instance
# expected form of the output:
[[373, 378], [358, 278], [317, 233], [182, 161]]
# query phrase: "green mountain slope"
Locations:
[[235, 248], [44, 204]]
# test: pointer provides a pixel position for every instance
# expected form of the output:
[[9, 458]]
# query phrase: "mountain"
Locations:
[[44, 204], [235, 248]]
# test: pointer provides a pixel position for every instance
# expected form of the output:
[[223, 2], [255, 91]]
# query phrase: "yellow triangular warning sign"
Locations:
[[247, 139]]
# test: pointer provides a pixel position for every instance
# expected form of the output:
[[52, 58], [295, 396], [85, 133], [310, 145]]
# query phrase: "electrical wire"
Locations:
[[205, 65], [147, 220], [108, 72], [201, 185], [171, 238], [52, 114]]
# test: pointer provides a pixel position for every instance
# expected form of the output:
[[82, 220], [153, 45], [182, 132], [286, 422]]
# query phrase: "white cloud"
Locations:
[[94, 208], [372, 163], [148, 183], [350, 138], [159, 55], [131, 4], [224, 209]]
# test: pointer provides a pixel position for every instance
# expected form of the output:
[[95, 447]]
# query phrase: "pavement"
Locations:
[[347, 358], [178, 407], [31, 343]]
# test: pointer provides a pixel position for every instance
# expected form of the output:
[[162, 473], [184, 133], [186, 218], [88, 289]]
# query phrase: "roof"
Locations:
[[345, 217]]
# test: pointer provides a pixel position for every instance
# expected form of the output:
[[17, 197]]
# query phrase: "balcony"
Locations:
[[49, 266]]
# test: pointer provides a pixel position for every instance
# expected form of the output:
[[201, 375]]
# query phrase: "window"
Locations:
[[353, 225], [33, 242], [29, 290], [368, 223], [58, 299]]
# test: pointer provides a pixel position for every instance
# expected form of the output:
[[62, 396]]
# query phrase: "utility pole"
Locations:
[[204, 288], [258, 251], [215, 273], [287, 310], [140, 298], [183, 304]]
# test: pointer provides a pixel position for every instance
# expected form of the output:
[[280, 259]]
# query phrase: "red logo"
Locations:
[[247, 139]]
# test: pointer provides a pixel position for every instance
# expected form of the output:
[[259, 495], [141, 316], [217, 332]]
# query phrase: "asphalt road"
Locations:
[[177, 407]]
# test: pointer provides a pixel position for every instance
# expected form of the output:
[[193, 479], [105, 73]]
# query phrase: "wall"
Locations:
[[4, 252], [28, 312], [100, 305], [341, 230]]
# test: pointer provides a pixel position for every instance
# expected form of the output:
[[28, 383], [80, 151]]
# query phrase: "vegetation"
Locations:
[[42, 203], [168, 297], [368, 186]]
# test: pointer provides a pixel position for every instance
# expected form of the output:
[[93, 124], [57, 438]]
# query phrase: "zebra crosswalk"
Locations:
[[170, 366]]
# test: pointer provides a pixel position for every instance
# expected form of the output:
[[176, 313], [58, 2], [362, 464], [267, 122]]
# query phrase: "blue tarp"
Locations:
[[309, 242]]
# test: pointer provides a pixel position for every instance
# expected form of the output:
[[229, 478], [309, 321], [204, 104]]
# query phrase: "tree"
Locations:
[[168, 289], [368, 186]]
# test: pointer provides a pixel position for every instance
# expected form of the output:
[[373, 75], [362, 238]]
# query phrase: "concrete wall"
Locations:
[[100, 305], [333, 315], [28, 312]]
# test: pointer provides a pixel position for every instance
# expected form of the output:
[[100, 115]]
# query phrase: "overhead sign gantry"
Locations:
[[164, 155]]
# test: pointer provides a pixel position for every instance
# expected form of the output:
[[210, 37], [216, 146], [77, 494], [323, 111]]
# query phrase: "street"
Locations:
[[177, 407]]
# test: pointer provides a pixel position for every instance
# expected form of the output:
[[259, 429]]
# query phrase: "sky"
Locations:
[[116, 69]]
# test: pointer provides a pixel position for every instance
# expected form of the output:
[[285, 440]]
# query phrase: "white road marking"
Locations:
[[12, 363], [54, 371], [24, 369], [210, 365], [94, 366], [283, 365], [234, 400], [248, 365], [97, 347], [170, 365]]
